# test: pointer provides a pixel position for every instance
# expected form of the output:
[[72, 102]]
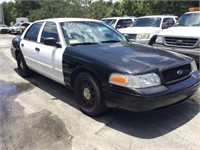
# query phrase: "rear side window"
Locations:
[[50, 30], [32, 33]]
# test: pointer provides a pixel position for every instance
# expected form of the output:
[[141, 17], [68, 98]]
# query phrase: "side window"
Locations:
[[120, 23], [171, 22], [33, 31], [128, 22], [166, 20], [165, 23], [50, 30]]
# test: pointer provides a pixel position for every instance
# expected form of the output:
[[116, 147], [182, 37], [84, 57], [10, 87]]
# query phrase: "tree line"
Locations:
[[36, 9]]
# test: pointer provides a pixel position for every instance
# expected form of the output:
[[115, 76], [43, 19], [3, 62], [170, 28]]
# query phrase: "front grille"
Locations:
[[176, 74], [132, 36], [181, 42]]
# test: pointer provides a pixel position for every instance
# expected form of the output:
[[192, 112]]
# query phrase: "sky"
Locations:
[[4, 1], [1, 1]]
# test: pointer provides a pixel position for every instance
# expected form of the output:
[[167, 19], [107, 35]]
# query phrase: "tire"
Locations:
[[89, 95], [23, 69]]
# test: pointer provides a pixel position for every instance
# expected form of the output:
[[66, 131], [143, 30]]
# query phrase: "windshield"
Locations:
[[17, 25], [191, 19], [147, 22], [110, 22], [87, 32]]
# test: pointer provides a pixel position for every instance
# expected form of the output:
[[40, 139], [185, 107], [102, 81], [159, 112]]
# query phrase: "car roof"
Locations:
[[192, 12], [124, 17], [68, 19], [160, 16]]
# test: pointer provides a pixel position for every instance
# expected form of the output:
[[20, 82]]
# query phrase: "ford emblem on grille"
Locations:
[[179, 41], [180, 72]]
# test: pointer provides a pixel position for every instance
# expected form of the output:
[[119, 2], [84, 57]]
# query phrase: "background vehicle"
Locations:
[[183, 37], [21, 19], [119, 22], [13, 29], [4, 28], [22, 27], [18, 28], [102, 68], [145, 29]]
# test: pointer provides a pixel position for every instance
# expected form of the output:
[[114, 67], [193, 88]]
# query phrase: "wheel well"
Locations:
[[17, 53], [152, 39], [78, 71]]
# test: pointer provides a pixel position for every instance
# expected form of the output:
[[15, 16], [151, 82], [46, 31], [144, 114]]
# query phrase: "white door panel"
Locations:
[[29, 43], [49, 62], [29, 52]]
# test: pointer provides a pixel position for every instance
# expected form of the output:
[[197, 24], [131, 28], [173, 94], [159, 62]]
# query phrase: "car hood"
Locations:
[[137, 30], [133, 58], [181, 31], [13, 27]]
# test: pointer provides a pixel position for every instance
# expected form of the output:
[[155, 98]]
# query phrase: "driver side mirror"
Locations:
[[50, 41]]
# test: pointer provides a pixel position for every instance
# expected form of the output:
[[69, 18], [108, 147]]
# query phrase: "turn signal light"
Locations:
[[117, 79]]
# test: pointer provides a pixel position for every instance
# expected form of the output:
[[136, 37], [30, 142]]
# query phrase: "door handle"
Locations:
[[22, 45], [37, 49]]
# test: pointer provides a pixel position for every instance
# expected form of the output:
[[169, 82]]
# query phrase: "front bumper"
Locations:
[[151, 98], [194, 53]]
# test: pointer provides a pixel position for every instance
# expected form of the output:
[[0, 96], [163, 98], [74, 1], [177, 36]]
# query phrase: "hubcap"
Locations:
[[87, 94]]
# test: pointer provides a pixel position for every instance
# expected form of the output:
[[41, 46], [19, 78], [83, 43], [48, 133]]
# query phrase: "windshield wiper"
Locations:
[[110, 41], [85, 43]]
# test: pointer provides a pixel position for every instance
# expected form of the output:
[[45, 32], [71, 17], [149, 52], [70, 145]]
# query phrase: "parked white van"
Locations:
[[21, 20]]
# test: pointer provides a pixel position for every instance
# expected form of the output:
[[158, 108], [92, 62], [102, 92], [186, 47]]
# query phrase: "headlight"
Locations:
[[138, 81], [193, 66], [159, 40], [143, 36]]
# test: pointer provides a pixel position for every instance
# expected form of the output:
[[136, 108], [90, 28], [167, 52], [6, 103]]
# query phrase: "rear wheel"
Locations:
[[24, 71], [89, 94]]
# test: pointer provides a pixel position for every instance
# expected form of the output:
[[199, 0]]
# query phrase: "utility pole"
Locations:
[[1, 15]]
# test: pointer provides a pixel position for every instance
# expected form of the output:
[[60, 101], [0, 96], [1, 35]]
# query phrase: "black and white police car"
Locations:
[[102, 68]]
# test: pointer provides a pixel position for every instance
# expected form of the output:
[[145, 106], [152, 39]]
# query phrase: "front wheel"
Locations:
[[24, 71], [89, 94]]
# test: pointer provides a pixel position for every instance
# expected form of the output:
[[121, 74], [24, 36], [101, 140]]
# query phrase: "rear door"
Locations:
[[49, 58], [29, 43]]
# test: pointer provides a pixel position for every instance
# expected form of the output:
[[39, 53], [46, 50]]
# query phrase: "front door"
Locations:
[[49, 60]]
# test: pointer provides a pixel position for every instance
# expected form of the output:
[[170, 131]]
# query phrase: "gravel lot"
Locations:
[[38, 113]]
